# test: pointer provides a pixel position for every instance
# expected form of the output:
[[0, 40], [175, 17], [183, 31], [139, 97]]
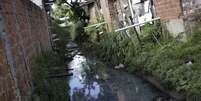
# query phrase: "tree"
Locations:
[[77, 13]]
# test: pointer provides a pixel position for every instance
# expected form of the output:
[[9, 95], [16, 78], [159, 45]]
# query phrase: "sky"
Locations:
[[37, 2]]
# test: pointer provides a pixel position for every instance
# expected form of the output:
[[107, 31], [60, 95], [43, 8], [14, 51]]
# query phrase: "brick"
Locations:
[[2, 97], [1, 44], [4, 70], [6, 6], [168, 9], [2, 57]]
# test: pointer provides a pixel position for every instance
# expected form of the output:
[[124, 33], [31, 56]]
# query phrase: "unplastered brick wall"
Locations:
[[23, 35], [168, 9], [171, 14], [180, 16]]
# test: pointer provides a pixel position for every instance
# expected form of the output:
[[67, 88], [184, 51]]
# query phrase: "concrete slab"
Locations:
[[175, 26]]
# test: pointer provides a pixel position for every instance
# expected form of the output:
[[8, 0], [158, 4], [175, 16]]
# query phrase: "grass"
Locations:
[[167, 61], [45, 88]]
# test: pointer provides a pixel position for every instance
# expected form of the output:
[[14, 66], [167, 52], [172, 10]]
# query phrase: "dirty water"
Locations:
[[92, 80]]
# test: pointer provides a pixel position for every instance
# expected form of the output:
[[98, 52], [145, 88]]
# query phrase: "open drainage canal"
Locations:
[[94, 81]]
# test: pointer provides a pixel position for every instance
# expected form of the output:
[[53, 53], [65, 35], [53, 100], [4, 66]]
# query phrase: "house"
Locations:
[[179, 16]]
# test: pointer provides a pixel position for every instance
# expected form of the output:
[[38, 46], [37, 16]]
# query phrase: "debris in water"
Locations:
[[189, 63], [119, 66], [71, 45]]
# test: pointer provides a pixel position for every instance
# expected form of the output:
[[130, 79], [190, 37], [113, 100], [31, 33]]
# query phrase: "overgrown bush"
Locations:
[[45, 88]]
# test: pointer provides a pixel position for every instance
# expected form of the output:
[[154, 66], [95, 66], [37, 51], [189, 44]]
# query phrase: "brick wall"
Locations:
[[23, 34], [179, 14], [168, 9]]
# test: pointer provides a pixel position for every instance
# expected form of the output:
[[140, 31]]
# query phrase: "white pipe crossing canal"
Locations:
[[127, 27]]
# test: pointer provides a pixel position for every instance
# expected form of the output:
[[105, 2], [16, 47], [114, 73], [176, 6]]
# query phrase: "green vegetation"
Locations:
[[52, 63], [67, 25], [46, 88], [177, 64], [72, 18], [77, 31], [94, 32], [72, 9]]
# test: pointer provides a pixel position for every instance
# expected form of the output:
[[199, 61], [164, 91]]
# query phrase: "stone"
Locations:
[[79, 53], [159, 99], [189, 63], [116, 67], [71, 45], [120, 66]]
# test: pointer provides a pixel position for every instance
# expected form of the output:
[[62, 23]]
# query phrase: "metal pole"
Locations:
[[131, 8], [138, 37]]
